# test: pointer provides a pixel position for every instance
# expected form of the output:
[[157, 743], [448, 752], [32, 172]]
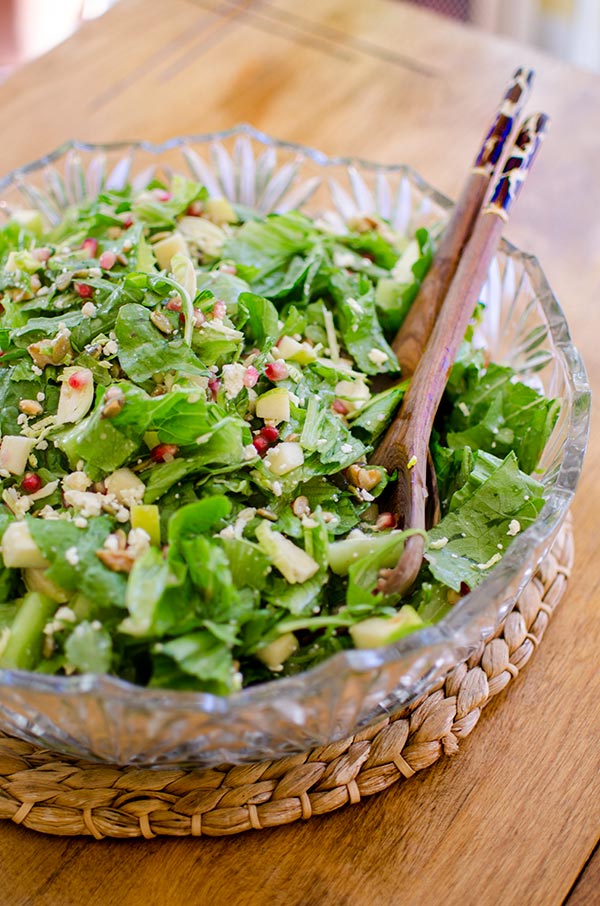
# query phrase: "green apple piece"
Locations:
[[284, 458], [19, 550], [126, 486], [146, 516], [294, 564], [219, 210], [292, 351], [342, 554], [30, 219], [74, 402], [24, 647], [354, 393], [204, 234], [14, 453], [274, 405], [37, 580], [166, 248], [278, 651], [378, 631]]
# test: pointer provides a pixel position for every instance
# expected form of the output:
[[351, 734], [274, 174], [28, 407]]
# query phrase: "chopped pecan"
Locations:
[[120, 561], [51, 352], [362, 477]]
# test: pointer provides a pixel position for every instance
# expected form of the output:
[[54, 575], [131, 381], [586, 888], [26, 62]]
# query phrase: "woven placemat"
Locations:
[[56, 794]]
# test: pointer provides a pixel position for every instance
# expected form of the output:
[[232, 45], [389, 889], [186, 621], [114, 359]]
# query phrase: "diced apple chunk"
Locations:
[[19, 550], [14, 452], [292, 351], [126, 486], [76, 395], [166, 248], [354, 393], [219, 210], [378, 631], [278, 651], [274, 405], [284, 458], [147, 517], [293, 563]]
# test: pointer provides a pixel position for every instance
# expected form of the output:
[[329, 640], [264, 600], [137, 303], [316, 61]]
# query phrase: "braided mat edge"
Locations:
[[56, 794]]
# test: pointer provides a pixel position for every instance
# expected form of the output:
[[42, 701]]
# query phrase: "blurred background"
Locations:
[[569, 29]]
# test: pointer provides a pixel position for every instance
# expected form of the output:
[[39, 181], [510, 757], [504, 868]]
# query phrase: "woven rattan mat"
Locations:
[[56, 794]]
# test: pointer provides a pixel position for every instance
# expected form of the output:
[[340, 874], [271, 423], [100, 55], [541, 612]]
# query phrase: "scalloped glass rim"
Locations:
[[424, 655]]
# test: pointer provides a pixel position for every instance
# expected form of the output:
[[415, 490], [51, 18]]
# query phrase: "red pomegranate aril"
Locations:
[[195, 209], [31, 483], [213, 386], [174, 305], [276, 371], [251, 376], [270, 433], [260, 445], [85, 291], [91, 246], [199, 318], [164, 452], [219, 310], [78, 379], [163, 195], [107, 259], [339, 407], [386, 521], [127, 221]]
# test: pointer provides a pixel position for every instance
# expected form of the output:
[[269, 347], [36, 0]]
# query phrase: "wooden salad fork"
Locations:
[[406, 444]]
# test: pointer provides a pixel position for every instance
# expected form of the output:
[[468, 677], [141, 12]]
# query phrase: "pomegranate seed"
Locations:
[[78, 379], [127, 220], [251, 376], [91, 246], [164, 452], [464, 589], [195, 209], [260, 445], [386, 521], [174, 305], [84, 290], [107, 260], [270, 433], [339, 407], [41, 254], [219, 310], [199, 318], [31, 483], [213, 386], [276, 371], [163, 195]]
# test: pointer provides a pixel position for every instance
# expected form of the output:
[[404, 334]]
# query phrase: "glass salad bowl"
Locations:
[[107, 719]]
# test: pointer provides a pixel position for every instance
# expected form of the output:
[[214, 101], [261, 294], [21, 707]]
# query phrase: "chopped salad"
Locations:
[[189, 394]]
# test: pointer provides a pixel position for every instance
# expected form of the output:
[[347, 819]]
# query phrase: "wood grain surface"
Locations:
[[515, 817]]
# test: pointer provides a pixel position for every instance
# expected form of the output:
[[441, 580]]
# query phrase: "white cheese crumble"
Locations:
[[233, 379], [88, 310], [378, 357], [72, 556], [493, 560], [514, 527], [439, 544], [346, 448]]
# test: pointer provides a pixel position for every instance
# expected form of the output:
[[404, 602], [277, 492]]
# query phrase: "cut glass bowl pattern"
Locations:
[[106, 719]]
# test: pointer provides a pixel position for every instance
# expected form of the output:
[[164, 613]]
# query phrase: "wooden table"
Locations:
[[515, 817]]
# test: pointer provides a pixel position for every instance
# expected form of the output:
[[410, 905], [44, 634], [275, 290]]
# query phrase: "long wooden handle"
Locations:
[[407, 440], [412, 337]]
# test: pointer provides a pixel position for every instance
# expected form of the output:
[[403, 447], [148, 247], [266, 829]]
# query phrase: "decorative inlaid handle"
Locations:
[[509, 111], [518, 164]]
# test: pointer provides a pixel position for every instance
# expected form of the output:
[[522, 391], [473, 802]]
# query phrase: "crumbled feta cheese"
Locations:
[[80, 522], [72, 556], [439, 544], [37, 371], [249, 452], [87, 503], [77, 481], [233, 379], [378, 357], [346, 448], [88, 310], [277, 488], [110, 348], [493, 560], [41, 396], [138, 541], [514, 527]]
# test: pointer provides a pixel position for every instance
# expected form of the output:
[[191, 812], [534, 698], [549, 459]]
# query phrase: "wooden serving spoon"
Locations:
[[406, 443]]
